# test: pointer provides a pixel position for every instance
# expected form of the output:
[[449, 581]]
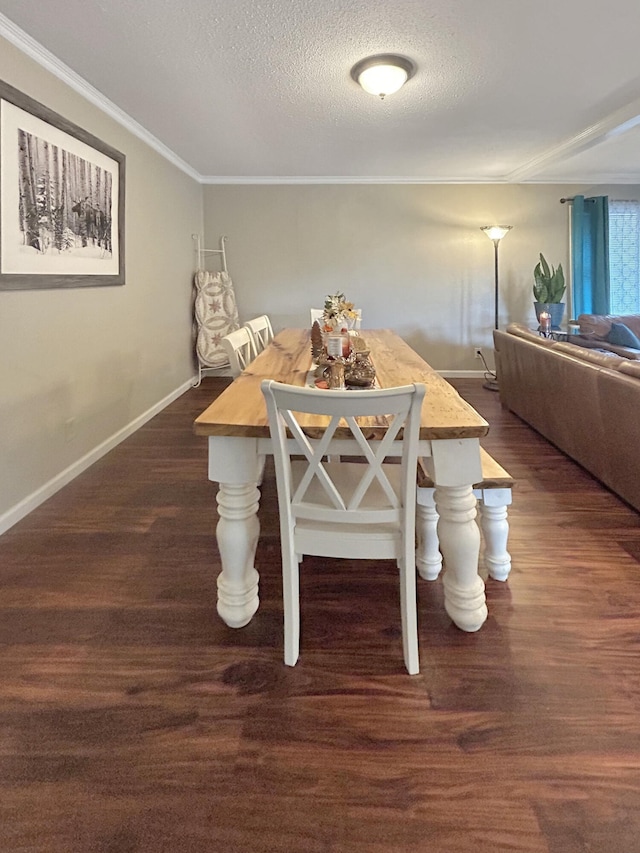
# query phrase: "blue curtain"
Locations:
[[590, 255]]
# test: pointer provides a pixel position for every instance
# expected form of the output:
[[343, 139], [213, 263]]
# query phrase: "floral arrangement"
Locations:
[[337, 310]]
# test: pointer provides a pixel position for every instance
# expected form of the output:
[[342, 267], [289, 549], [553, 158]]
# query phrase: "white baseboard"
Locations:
[[32, 501], [16, 513]]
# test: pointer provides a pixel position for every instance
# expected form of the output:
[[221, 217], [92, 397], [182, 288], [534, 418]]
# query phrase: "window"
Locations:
[[624, 257]]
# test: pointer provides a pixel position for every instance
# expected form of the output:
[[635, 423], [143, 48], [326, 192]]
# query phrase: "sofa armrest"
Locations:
[[596, 343]]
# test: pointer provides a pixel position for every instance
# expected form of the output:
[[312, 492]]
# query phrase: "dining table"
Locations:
[[237, 429]]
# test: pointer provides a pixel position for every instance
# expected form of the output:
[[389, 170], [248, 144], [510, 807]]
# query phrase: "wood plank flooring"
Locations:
[[133, 719]]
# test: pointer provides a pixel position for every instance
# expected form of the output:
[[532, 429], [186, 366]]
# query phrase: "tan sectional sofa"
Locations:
[[583, 398]]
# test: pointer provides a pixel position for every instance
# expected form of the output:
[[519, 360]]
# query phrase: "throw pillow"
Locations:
[[622, 336]]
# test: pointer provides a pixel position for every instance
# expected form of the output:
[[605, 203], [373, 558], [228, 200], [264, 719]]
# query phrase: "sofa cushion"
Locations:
[[631, 368], [579, 345], [601, 357], [604, 346], [599, 325], [595, 326], [623, 336]]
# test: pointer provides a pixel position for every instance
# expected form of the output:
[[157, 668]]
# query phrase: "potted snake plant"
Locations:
[[548, 289]]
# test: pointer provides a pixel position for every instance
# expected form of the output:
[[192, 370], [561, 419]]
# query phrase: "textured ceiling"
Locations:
[[506, 90]]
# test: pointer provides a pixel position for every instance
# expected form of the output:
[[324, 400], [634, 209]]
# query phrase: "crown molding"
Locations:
[[342, 179], [51, 63], [618, 122], [532, 172], [592, 179]]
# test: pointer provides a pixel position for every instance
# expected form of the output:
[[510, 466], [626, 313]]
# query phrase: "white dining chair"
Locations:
[[260, 328], [359, 510], [317, 313], [239, 348]]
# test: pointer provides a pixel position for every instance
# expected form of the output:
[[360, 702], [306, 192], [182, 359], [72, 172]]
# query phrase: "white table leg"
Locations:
[[464, 595], [237, 533], [234, 463], [454, 466]]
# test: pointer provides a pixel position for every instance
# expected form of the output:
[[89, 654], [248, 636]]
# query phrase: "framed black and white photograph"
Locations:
[[61, 200]]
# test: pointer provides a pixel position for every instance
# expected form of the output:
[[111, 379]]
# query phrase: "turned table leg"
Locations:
[[454, 466], [237, 533], [459, 536], [235, 464]]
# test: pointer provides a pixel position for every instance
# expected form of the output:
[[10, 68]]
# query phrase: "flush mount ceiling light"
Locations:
[[383, 74]]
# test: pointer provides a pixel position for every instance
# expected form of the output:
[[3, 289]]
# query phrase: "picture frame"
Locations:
[[62, 200]]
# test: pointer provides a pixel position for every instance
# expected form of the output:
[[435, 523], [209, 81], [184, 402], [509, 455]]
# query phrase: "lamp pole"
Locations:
[[496, 243], [495, 233]]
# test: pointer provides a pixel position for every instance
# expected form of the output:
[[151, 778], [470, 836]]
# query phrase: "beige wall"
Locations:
[[411, 256], [78, 366]]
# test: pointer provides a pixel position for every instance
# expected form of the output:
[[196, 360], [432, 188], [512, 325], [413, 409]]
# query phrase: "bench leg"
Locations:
[[428, 556], [495, 527], [493, 518]]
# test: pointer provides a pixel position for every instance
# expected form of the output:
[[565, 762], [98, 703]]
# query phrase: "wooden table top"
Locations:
[[241, 411]]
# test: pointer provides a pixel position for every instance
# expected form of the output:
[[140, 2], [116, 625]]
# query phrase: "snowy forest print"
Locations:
[[64, 200]]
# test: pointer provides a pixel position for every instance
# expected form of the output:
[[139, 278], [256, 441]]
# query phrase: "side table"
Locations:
[[554, 334]]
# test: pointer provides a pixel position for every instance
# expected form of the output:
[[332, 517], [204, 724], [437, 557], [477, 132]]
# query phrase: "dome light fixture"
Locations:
[[383, 74]]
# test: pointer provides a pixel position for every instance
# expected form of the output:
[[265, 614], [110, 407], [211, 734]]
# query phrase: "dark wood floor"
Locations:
[[133, 719]]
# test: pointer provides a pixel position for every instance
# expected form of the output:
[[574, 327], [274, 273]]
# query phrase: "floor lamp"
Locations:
[[495, 233]]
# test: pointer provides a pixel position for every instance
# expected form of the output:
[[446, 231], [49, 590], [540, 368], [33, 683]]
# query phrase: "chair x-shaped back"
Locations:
[[352, 510]]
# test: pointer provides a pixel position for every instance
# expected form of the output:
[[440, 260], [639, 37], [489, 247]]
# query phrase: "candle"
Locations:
[[545, 322], [338, 345]]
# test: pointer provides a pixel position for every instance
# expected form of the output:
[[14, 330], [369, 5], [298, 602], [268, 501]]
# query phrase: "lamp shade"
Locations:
[[496, 232], [384, 74]]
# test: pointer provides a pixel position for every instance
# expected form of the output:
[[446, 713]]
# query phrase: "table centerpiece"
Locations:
[[342, 360]]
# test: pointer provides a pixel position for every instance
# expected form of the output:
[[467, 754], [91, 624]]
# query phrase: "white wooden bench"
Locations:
[[493, 494]]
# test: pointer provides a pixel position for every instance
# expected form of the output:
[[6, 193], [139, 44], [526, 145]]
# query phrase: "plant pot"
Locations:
[[556, 309]]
